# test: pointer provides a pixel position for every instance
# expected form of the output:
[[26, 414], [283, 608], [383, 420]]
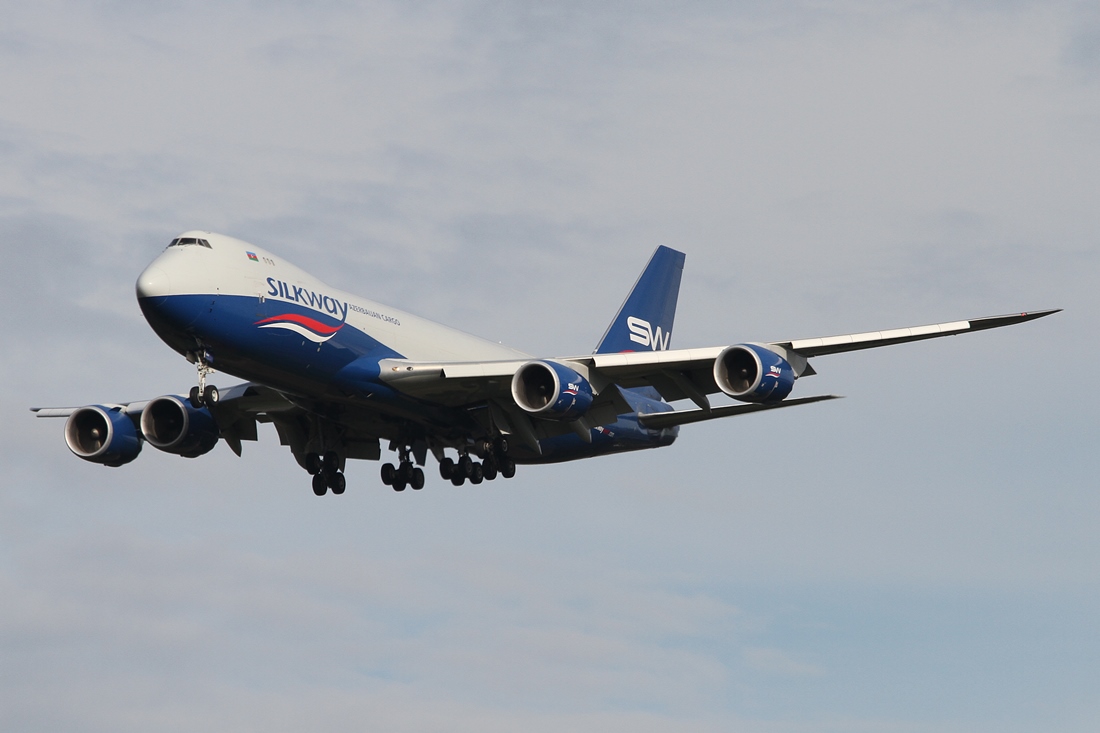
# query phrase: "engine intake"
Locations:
[[102, 435], [550, 390], [753, 373], [172, 425]]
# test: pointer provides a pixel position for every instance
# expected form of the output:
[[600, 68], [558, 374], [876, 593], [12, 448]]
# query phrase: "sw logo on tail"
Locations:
[[642, 332]]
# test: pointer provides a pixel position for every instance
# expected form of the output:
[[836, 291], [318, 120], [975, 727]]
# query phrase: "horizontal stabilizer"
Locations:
[[658, 420]]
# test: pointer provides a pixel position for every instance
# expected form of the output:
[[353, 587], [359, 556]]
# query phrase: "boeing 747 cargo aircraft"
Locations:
[[339, 375]]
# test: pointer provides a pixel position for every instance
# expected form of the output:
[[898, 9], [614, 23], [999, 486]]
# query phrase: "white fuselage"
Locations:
[[232, 267]]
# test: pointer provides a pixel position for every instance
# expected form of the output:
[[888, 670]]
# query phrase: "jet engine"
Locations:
[[753, 373], [102, 435], [172, 425], [550, 390]]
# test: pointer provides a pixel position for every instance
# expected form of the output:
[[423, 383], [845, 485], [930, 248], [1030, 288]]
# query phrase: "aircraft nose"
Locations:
[[153, 283]]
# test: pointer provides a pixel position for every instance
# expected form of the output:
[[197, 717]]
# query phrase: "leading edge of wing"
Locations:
[[658, 420], [125, 407], [641, 362], [872, 339], [247, 397]]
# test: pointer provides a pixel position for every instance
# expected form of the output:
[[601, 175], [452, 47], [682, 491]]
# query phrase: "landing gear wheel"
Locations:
[[398, 485], [466, 466], [478, 474], [210, 395], [313, 464], [507, 468], [337, 483], [389, 473], [489, 469], [446, 468], [502, 445], [195, 398], [417, 480], [320, 486], [458, 478]]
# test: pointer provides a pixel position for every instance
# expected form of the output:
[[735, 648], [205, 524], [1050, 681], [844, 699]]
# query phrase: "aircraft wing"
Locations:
[[242, 399], [872, 339], [127, 407], [237, 413], [676, 373]]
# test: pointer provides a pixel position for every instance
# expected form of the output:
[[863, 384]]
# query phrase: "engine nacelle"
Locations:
[[102, 435], [752, 373], [549, 390], [172, 425]]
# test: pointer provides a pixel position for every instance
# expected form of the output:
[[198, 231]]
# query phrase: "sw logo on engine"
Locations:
[[642, 332]]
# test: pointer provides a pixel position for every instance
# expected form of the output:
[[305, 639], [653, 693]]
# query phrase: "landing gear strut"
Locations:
[[204, 394]]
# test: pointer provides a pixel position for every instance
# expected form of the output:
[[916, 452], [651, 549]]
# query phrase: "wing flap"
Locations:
[[641, 362], [659, 420], [450, 383]]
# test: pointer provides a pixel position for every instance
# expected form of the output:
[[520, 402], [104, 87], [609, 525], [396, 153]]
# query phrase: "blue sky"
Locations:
[[919, 556]]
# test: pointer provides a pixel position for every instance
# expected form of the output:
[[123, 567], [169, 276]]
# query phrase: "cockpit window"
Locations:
[[184, 241]]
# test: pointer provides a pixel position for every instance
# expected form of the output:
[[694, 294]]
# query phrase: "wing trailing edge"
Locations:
[[658, 420]]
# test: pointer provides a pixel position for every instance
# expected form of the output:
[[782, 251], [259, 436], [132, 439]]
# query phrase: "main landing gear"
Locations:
[[326, 473], [496, 463], [405, 474], [204, 394]]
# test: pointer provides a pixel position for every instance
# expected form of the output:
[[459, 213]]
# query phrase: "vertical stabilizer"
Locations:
[[644, 322]]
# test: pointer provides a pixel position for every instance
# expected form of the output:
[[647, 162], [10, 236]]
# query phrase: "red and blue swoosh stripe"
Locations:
[[310, 328]]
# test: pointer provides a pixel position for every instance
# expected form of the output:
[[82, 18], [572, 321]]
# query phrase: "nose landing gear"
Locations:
[[204, 394]]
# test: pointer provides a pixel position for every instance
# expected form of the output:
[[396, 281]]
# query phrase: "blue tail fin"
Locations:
[[644, 321]]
